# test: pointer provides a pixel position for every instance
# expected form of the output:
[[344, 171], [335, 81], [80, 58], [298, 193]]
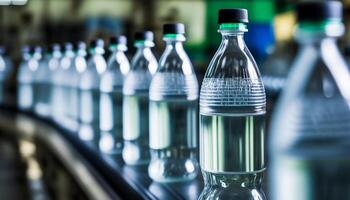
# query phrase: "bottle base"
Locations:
[[173, 165], [236, 186]]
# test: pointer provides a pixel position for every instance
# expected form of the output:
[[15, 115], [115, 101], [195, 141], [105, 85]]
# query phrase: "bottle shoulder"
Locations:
[[232, 62], [97, 63], [137, 81], [111, 80], [165, 85], [312, 108], [232, 83], [144, 60]]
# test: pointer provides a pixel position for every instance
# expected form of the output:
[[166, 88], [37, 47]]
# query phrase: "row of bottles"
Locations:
[[128, 108], [147, 111]]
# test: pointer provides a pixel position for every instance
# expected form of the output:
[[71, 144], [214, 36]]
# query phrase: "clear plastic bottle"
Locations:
[[24, 81], [78, 66], [310, 132], [90, 93], [232, 112], [135, 101], [35, 65], [5, 72], [54, 65], [173, 112], [42, 85], [111, 103], [62, 82]]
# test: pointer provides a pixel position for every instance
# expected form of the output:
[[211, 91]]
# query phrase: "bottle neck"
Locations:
[[118, 47], [69, 53], [143, 50], [97, 51], [232, 33], [37, 55], [314, 32], [143, 44], [174, 41]]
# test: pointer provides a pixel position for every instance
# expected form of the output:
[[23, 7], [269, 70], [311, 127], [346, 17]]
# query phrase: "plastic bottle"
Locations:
[[111, 103], [5, 73], [310, 130], [90, 93], [62, 82], [78, 66], [173, 112], [135, 101], [54, 66], [35, 64], [24, 81], [232, 112], [42, 79]]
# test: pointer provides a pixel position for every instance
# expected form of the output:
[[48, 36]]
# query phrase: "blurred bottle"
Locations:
[[232, 112], [276, 68], [111, 104], [5, 72], [173, 112], [54, 66], [310, 130], [135, 101], [90, 92], [35, 65], [42, 79], [62, 104], [25, 79], [78, 66]]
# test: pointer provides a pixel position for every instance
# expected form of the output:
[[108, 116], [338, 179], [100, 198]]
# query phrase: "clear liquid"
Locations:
[[89, 114], [73, 112], [173, 140], [60, 103], [232, 143], [25, 96], [111, 121], [42, 98], [136, 129]]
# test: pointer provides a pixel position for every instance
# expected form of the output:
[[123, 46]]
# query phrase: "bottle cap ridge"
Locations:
[[118, 40], [175, 28], [146, 35], [319, 10], [234, 15]]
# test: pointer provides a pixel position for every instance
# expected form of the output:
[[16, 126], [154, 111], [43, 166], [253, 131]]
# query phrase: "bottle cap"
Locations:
[[146, 35], [79, 45], [96, 43], [319, 10], [176, 28], [53, 47], [234, 15], [118, 40], [68, 46]]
